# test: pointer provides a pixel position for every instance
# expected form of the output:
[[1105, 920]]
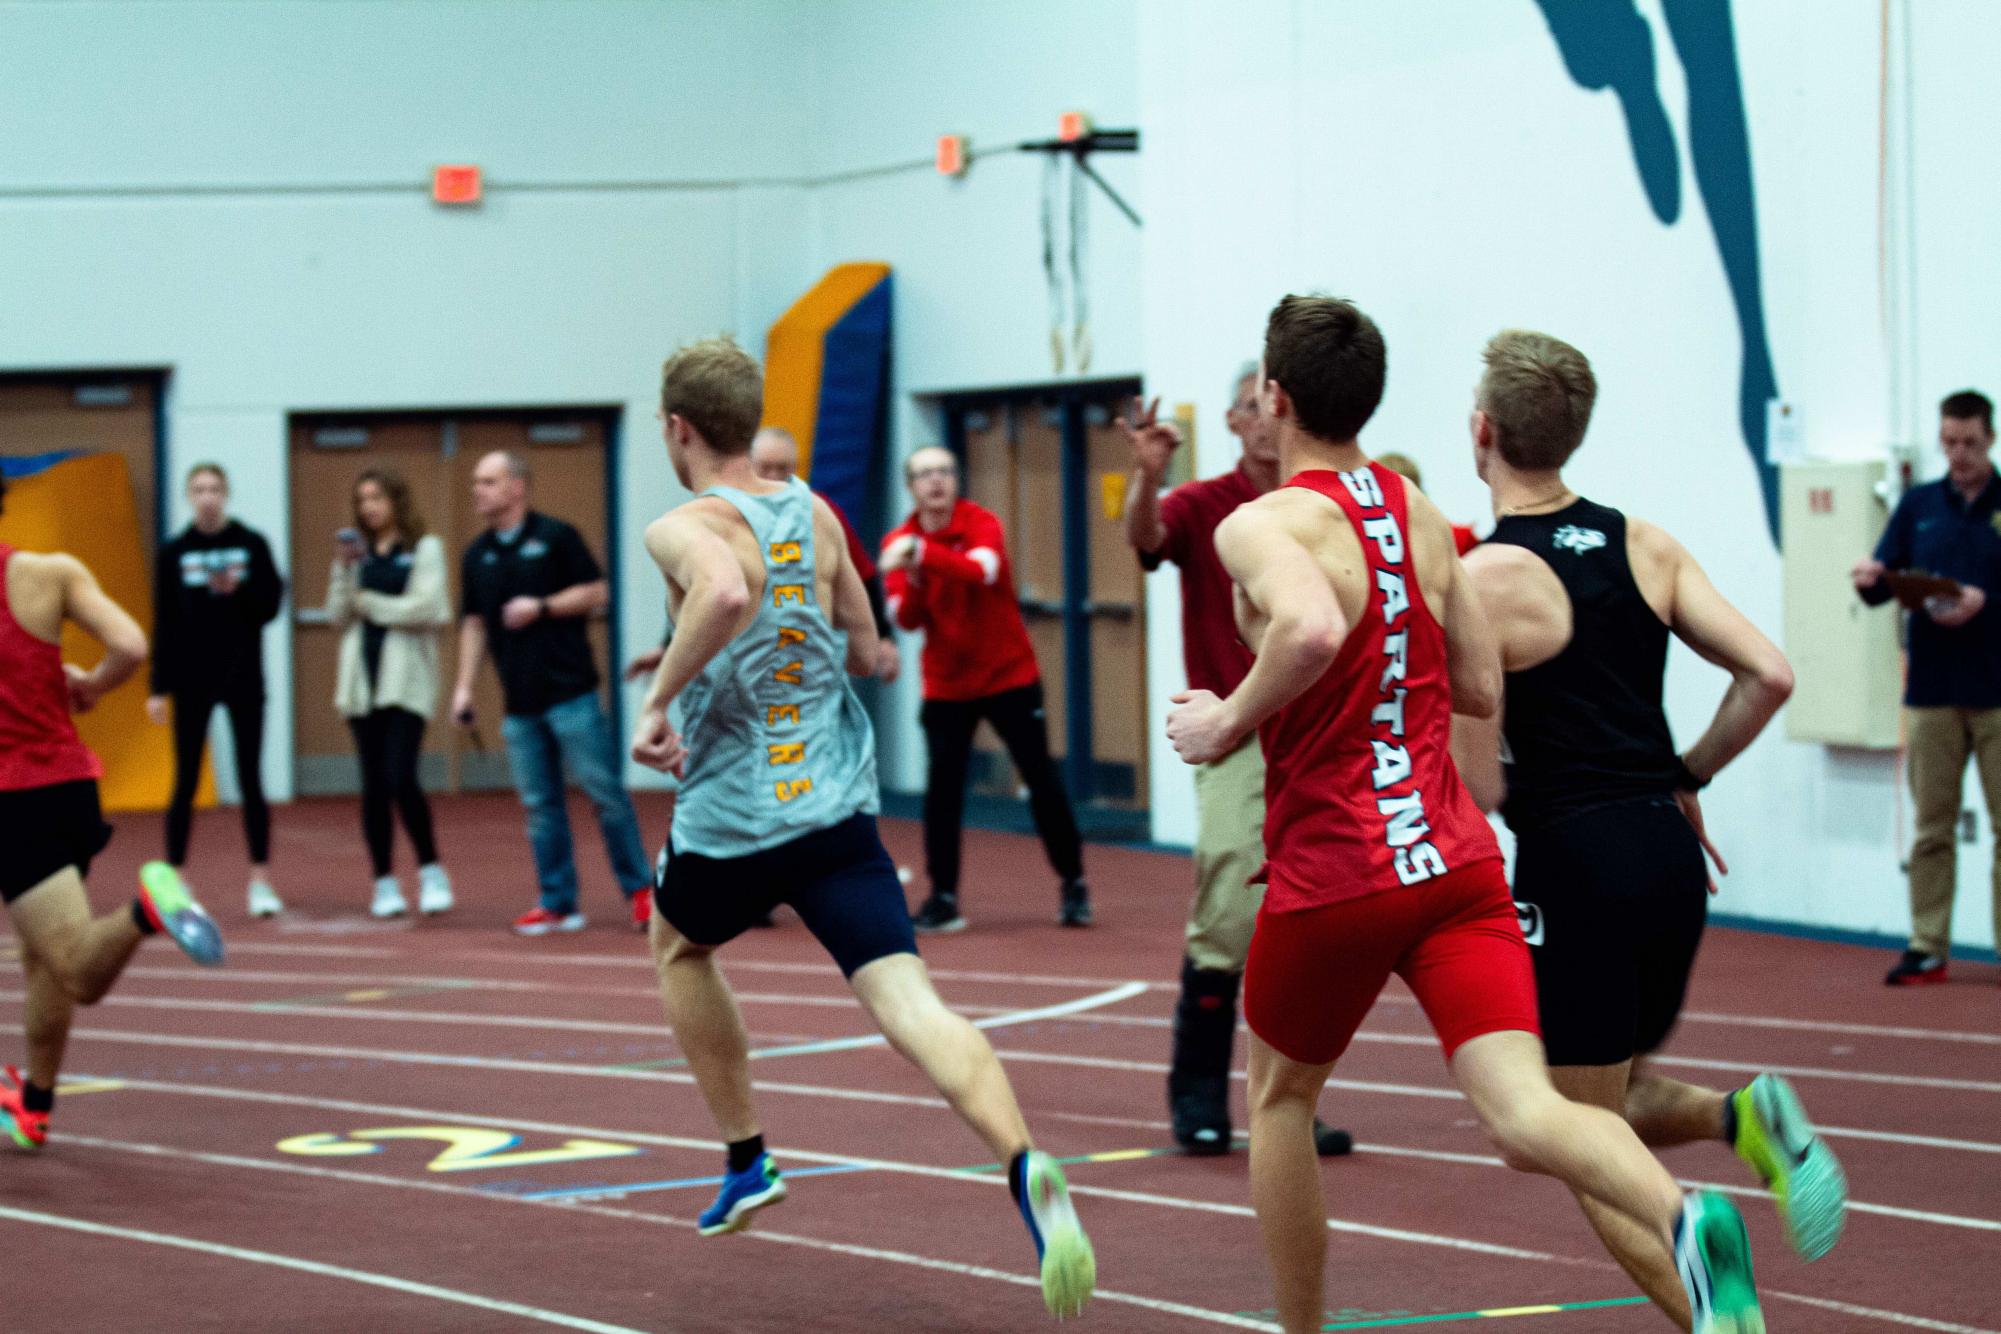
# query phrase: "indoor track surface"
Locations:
[[438, 1126]]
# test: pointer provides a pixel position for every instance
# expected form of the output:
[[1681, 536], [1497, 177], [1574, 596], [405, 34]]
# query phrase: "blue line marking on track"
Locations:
[[573, 1192]]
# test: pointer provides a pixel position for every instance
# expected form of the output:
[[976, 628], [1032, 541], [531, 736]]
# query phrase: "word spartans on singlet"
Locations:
[[781, 716], [1399, 802]]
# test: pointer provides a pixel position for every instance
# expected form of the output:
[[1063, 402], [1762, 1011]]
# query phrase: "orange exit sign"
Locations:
[[457, 184]]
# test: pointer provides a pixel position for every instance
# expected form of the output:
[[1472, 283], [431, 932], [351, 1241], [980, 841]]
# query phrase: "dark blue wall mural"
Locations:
[[1608, 44]]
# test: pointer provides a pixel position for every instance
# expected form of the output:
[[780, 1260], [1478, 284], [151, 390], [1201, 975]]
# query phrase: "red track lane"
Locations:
[[326, 1025]]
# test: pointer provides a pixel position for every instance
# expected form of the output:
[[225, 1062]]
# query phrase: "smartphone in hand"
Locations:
[[348, 544]]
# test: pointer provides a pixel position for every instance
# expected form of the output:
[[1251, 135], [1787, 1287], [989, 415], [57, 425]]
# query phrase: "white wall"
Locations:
[[1454, 180], [240, 193], [971, 304]]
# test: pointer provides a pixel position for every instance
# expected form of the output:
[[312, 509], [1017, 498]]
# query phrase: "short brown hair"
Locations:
[[201, 468], [716, 388], [1538, 391], [402, 508], [1969, 405], [1328, 357], [1404, 466]]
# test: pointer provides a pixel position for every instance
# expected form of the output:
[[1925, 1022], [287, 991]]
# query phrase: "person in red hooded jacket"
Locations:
[[946, 572]]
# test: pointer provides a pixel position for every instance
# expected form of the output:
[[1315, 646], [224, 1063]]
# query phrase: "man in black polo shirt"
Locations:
[[530, 586], [1950, 528]]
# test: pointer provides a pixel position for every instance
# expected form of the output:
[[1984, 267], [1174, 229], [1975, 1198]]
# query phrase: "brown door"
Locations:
[[95, 414], [436, 455], [1020, 451]]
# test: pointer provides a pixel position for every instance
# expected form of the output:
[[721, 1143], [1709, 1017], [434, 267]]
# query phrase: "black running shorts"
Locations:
[[47, 829], [1613, 902], [839, 880]]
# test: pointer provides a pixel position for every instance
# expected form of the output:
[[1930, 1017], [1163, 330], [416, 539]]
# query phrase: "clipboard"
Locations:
[[1913, 588]]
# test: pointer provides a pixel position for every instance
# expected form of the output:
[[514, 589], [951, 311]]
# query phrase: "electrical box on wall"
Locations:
[[1846, 658]]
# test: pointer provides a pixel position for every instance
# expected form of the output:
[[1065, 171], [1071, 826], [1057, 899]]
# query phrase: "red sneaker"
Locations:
[[29, 1129], [642, 909], [542, 922]]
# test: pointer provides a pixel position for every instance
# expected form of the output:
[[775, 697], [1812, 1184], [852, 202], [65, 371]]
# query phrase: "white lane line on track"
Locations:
[[1016, 1017], [760, 1233], [1110, 996], [316, 1268], [806, 1090], [1872, 1313], [811, 1156]]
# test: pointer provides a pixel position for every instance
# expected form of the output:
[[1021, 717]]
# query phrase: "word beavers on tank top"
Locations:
[[1405, 830]]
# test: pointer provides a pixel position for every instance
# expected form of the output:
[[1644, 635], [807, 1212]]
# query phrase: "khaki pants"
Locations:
[[1939, 742], [1229, 849]]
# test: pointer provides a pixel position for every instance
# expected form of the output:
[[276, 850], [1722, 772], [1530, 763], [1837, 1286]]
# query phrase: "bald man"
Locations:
[[774, 456], [946, 571]]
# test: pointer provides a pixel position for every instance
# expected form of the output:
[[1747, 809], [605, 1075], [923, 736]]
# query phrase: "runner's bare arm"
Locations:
[[1761, 680], [1472, 654], [105, 621], [851, 610], [1476, 753], [1304, 628], [697, 560]]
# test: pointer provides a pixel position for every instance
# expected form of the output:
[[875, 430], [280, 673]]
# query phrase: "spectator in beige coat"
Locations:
[[388, 592]]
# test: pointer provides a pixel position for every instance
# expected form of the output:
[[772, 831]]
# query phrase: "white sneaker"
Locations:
[[434, 890], [389, 900], [264, 900]]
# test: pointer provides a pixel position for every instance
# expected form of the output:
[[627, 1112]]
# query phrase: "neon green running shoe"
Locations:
[[1776, 1139], [1069, 1269], [175, 914], [1713, 1255]]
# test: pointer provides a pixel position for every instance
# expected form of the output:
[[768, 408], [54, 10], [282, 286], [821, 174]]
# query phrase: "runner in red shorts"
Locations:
[[1367, 639]]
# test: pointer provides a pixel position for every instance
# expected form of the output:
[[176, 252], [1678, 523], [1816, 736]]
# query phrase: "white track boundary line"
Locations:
[[677, 1141], [315, 1268], [954, 1267], [812, 1156]]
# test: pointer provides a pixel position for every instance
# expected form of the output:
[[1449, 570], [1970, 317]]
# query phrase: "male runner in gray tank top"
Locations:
[[1610, 883], [778, 800]]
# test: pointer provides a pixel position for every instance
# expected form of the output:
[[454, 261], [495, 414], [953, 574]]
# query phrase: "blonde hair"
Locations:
[[716, 388], [1538, 391], [1404, 466]]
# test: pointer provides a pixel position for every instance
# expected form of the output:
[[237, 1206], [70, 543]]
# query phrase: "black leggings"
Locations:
[[1017, 716], [246, 730], [389, 742]]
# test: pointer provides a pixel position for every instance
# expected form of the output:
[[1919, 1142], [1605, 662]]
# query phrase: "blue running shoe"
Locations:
[[175, 914], [1069, 1269], [1713, 1255], [742, 1195]]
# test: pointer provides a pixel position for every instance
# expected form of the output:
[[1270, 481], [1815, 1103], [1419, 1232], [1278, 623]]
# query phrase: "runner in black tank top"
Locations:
[[1610, 881], [1586, 729]]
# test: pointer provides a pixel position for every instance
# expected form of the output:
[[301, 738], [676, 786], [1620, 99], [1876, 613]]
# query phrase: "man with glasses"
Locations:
[[946, 571]]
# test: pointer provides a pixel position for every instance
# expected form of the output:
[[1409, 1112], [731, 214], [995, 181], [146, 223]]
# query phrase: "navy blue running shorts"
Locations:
[[839, 880]]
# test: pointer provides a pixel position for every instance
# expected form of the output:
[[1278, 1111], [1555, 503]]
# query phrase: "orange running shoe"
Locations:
[[29, 1129]]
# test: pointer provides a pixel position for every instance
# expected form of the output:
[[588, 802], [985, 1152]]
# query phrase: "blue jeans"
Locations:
[[576, 736]]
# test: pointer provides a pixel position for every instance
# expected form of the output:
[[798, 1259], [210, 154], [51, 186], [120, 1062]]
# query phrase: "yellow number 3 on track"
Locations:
[[467, 1148]]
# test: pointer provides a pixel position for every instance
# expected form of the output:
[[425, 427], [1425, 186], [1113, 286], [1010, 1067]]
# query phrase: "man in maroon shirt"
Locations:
[[1229, 793], [945, 569]]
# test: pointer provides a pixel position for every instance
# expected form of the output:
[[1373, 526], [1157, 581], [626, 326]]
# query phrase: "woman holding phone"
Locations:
[[388, 590]]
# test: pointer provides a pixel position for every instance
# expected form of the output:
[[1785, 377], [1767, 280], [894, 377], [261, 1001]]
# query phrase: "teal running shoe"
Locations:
[[1069, 1269], [175, 914], [743, 1194], [1776, 1139], [1713, 1256]]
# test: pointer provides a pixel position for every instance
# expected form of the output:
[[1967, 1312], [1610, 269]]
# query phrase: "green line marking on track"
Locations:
[[1491, 1313]]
